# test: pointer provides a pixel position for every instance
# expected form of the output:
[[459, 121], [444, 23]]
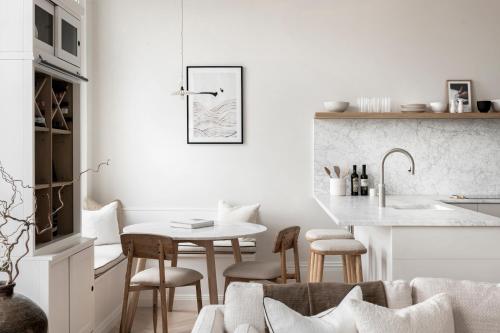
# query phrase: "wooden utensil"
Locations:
[[337, 170], [328, 172]]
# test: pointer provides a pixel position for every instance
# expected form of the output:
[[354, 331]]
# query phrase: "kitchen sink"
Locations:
[[420, 207]]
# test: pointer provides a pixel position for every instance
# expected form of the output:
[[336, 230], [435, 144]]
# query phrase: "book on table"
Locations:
[[191, 223]]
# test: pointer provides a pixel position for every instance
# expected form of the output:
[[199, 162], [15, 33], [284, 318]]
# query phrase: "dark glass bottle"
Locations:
[[354, 181], [363, 182]]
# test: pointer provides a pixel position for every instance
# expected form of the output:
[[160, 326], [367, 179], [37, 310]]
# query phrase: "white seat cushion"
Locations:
[[435, 315], [220, 246], [339, 246], [174, 277], [318, 234], [107, 257], [476, 305], [254, 270]]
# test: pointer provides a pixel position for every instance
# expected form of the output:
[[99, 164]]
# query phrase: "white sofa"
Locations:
[[476, 305]]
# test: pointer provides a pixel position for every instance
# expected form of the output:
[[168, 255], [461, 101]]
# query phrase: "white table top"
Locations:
[[364, 211], [216, 232]]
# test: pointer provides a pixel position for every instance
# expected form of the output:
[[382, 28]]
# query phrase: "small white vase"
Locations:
[[460, 108], [453, 108], [337, 186]]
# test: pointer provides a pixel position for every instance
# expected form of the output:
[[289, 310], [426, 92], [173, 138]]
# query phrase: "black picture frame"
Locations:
[[188, 137]]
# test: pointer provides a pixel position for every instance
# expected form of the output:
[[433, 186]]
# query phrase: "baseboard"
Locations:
[[111, 321]]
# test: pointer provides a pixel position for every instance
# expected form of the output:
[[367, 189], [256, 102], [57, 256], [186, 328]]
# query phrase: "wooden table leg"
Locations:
[[236, 250], [171, 291], [134, 300], [212, 277]]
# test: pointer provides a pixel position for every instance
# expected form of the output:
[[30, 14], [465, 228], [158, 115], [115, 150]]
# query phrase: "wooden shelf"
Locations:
[[59, 184], [41, 129], [60, 131], [41, 186], [406, 115]]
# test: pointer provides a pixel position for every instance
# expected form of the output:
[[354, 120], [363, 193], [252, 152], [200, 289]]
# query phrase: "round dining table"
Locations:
[[203, 237]]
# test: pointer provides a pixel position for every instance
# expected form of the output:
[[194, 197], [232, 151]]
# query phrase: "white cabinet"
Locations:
[[490, 209], [81, 291], [469, 206]]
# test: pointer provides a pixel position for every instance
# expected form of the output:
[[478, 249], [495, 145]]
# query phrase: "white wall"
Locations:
[[296, 53]]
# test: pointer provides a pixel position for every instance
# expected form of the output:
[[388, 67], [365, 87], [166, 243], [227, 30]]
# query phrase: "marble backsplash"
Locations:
[[451, 156]]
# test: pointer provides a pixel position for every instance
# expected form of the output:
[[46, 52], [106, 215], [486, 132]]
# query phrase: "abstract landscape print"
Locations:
[[214, 104]]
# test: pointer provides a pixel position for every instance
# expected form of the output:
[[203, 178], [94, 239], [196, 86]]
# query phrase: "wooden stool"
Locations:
[[322, 234], [350, 250]]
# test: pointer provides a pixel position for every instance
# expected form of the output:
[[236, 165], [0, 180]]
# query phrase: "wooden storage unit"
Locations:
[[55, 109]]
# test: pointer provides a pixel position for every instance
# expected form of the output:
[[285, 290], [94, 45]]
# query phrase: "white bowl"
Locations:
[[438, 107], [496, 105], [335, 106]]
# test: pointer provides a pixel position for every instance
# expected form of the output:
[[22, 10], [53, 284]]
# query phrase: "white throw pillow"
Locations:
[[398, 294], [227, 214], [281, 319], [435, 315], [102, 224]]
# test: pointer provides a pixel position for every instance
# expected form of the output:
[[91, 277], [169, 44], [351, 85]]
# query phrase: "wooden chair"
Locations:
[[155, 279], [273, 271]]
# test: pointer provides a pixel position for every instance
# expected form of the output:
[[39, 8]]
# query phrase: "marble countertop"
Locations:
[[403, 211]]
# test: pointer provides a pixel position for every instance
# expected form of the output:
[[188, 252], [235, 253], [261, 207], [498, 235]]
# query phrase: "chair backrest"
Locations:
[[286, 239], [148, 246]]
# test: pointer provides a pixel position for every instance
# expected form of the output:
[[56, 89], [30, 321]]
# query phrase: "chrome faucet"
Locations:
[[381, 186]]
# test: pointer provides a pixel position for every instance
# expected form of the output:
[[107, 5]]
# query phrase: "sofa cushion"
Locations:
[[107, 257], [312, 298], [476, 305], [435, 315], [243, 305], [91, 204], [282, 319], [398, 294], [245, 328]]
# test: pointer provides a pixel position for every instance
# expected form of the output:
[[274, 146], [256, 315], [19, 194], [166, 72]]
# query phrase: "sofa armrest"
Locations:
[[210, 320]]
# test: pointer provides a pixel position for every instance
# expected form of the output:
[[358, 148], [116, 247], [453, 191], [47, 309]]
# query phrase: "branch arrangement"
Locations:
[[20, 226]]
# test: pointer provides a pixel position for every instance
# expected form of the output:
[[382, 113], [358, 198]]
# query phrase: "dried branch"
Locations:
[[9, 240]]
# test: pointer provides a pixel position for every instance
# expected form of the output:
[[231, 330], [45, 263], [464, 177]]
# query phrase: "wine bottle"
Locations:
[[354, 182], [364, 181]]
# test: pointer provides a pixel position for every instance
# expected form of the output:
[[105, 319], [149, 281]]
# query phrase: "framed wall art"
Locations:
[[215, 104], [460, 92]]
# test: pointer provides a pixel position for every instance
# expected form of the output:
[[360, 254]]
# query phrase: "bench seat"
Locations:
[[220, 247], [106, 257]]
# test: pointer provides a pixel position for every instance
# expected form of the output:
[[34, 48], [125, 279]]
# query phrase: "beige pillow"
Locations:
[[91, 204], [227, 214]]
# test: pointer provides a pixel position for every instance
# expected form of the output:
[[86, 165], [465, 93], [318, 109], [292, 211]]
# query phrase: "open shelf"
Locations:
[[53, 136], [406, 115]]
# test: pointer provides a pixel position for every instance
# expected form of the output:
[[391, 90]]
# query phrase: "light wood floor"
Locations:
[[178, 322]]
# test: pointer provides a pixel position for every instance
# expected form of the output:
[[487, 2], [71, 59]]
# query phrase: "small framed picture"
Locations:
[[460, 90], [215, 104]]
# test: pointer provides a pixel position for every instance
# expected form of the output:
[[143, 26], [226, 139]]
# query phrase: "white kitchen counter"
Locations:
[[364, 211], [448, 241]]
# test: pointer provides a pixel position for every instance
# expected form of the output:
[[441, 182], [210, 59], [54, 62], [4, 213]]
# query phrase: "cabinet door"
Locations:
[[490, 209], [81, 288]]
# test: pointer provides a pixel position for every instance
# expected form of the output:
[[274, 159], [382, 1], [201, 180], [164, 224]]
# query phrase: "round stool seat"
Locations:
[[319, 234], [338, 247]]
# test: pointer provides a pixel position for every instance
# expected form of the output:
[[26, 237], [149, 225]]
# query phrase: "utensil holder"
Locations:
[[337, 186]]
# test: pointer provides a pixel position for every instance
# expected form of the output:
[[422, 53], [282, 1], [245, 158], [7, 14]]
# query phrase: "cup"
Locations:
[[484, 106], [337, 186]]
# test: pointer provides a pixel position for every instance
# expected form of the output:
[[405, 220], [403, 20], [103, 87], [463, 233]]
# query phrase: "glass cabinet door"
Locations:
[[68, 37], [44, 25]]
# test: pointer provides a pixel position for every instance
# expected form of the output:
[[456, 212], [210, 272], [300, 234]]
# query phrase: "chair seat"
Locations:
[[338, 247], [256, 270], [174, 277], [319, 234]]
